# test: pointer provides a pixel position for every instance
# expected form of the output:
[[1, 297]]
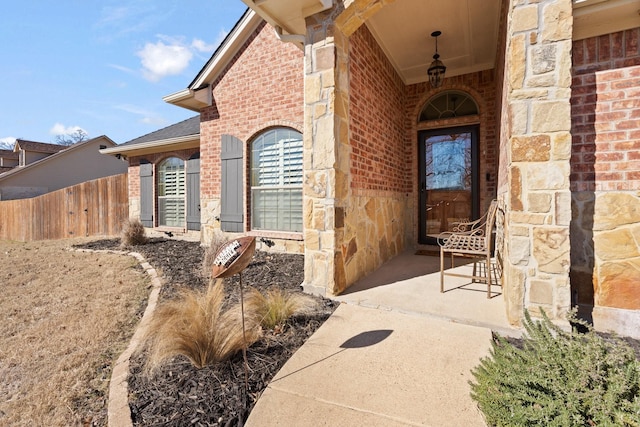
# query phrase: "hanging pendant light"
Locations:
[[436, 69]]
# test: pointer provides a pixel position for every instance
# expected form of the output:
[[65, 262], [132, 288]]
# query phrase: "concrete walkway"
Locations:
[[397, 352], [410, 284], [372, 367]]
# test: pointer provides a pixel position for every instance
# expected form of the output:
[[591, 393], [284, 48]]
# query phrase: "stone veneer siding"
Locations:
[[261, 88], [376, 220], [537, 149], [605, 179], [361, 148]]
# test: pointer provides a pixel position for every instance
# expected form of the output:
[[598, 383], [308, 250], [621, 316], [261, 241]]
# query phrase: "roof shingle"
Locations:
[[184, 128], [39, 147]]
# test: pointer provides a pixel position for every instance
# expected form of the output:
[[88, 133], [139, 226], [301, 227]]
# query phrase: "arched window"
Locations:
[[449, 104], [276, 181], [171, 193]]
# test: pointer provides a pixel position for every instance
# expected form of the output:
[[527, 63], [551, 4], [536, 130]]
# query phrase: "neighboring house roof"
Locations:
[[63, 151], [38, 147], [9, 154], [185, 134], [198, 94], [8, 160]]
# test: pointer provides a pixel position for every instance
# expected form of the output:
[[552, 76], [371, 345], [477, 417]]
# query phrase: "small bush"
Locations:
[[558, 378], [194, 325], [217, 240], [133, 233], [276, 306]]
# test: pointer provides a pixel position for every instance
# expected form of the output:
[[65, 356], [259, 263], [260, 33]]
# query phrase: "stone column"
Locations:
[[326, 153], [538, 145]]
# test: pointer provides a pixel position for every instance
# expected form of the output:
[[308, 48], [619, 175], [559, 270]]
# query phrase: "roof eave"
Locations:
[[198, 95], [227, 51], [288, 17], [190, 99], [181, 142]]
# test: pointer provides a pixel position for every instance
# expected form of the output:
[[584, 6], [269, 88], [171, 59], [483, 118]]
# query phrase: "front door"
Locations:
[[449, 181]]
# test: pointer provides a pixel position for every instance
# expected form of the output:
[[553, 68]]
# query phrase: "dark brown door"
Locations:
[[448, 179]]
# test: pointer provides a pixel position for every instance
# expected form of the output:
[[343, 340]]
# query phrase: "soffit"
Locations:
[[597, 17], [469, 39], [289, 15], [181, 143], [468, 42]]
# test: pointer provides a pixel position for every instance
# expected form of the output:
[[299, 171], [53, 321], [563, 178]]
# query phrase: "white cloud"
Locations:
[[7, 142], [155, 121], [147, 117], [202, 46], [171, 55], [221, 36], [114, 14], [60, 129], [138, 17], [121, 68], [133, 109], [160, 60]]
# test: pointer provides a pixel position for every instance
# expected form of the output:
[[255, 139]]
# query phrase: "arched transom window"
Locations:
[[276, 181], [449, 104]]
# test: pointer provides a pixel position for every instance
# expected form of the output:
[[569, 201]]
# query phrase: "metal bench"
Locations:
[[472, 239]]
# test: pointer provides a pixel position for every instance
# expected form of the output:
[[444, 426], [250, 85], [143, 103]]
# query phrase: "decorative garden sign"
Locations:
[[233, 257]]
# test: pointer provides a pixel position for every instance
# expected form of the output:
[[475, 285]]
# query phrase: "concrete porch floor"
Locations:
[[410, 284]]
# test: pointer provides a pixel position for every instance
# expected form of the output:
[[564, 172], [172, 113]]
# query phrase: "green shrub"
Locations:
[[133, 233], [274, 307], [558, 378], [195, 326]]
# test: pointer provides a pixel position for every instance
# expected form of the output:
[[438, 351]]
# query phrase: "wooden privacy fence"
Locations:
[[93, 208]]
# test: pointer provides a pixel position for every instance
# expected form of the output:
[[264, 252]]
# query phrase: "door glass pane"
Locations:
[[448, 183]]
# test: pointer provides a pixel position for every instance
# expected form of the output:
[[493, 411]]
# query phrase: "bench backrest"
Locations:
[[491, 218]]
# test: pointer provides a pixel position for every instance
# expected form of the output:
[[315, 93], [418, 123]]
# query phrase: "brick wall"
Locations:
[[261, 88], [155, 158], [482, 87], [376, 118], [604, 124], [605, 177]]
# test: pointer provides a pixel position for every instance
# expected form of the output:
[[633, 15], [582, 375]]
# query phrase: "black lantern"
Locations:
[[436, 69]]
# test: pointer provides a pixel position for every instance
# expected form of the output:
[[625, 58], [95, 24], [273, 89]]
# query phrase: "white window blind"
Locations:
[[171, 193], [276, 181]]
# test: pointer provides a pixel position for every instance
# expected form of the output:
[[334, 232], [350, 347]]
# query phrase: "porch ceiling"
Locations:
[[468, 42], [469, 28]]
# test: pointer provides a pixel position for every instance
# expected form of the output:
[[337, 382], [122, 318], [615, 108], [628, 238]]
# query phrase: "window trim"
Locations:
[[289, 176], [161, 174]]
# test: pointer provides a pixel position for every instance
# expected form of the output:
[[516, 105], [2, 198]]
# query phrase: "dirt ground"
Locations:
[[66, 316]]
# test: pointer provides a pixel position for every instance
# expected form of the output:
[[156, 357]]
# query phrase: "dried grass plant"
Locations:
[[275, 306], [194, 325], [133, 233], [217, 240]]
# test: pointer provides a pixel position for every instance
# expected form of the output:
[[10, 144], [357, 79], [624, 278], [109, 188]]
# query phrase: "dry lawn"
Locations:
[[65, 318]]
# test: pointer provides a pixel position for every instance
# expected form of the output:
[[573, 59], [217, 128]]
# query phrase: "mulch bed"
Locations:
[[179, 394]]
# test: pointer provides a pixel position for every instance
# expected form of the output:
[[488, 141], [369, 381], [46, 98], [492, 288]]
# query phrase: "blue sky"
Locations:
[[102, 66]]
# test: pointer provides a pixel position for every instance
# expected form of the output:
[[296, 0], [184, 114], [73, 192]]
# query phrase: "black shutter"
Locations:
[[193, 194], [232, 212], [146, 194]]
